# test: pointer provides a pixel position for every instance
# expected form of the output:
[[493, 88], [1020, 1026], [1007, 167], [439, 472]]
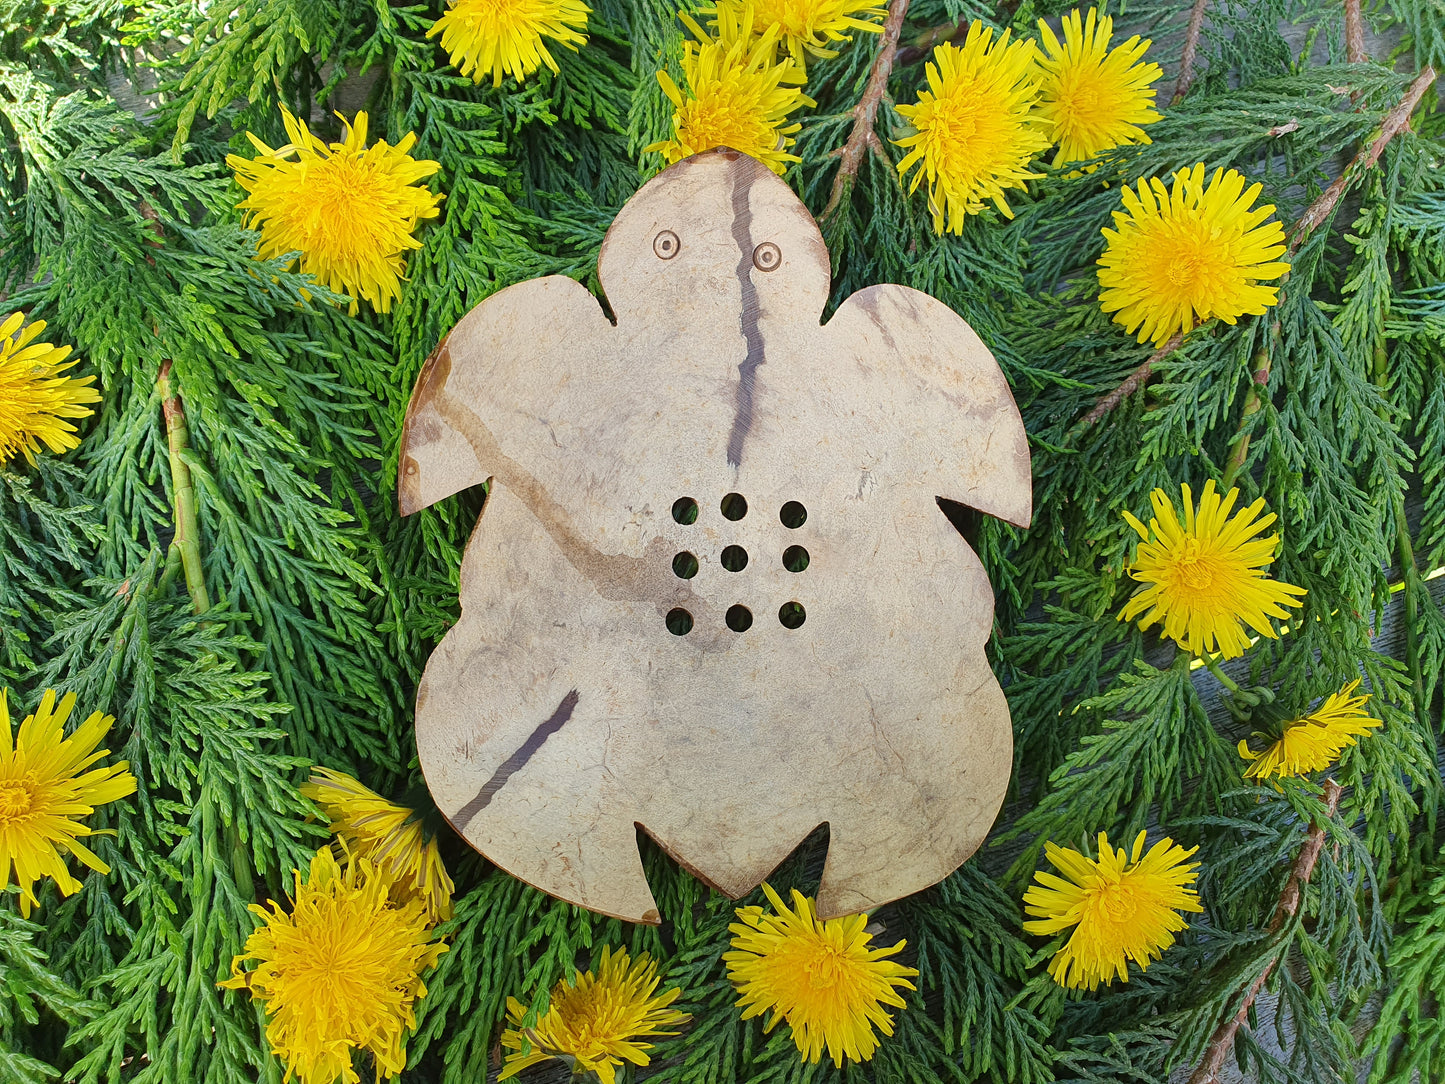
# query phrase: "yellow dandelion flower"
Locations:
[[34, 397], [347, 208], [595, 1022], [1180, 256], [504, 37], [1122, 906], [822, 978], [1096, 97], [340, 972], [390, 836], [1316, 740], [43, 794], [1206, 576], [975, 129], [805, 27], [737, 96]]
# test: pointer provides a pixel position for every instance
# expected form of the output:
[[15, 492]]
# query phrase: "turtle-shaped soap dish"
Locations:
[[712, 593]]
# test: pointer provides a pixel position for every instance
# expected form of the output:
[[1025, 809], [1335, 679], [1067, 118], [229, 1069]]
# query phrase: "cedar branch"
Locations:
[[1405, 547], [1222, 1041], [1191, 45], [866, 112], [1393, 124], [1253, 400]]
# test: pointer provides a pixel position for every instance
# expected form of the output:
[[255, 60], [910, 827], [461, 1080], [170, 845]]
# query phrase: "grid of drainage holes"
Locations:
[[791, 615]]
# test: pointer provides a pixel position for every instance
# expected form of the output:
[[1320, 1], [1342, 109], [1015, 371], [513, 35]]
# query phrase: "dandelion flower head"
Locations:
[[347, 208], [1096, 97], [1122, 906], [820, 977], [35, 396], [389, 835], [1181, 255], [595, 1022], [738, 96], [504, 37], [975, 129], [45, 791], [1314, 741], [1205, 577], [805, 27], [340, 972]]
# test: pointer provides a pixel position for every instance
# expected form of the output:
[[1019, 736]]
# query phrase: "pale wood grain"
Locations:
[[561, 713]]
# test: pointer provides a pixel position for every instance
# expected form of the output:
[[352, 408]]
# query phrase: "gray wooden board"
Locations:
[[564, 709]]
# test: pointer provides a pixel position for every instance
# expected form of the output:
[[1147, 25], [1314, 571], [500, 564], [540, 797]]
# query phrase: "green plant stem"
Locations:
[[1211, 663], [926, 41], [1253, 400], [186, 542]]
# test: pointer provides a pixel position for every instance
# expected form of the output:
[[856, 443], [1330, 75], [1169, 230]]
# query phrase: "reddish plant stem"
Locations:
[[866, 112], [1222, 1041], [1354, 33], [1131, 383], [1396, 120], [1394, 123], [1191, 46]]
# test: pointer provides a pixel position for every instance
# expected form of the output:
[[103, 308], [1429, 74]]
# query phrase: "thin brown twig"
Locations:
[[1354, 33], [1191, 45], [1222, 1041], [1131, 383], [866, 111], [1394, 123]]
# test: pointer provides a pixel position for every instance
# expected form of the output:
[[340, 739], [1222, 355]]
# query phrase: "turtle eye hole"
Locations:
[[666, 245]]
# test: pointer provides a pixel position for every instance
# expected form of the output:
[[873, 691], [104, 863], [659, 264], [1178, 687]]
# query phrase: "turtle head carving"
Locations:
[[712, 595], [689, 244]]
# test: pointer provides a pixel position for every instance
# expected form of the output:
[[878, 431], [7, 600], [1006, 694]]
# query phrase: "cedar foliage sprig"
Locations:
[[118, 225]]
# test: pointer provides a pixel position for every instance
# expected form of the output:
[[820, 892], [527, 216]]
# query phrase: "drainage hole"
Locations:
[[685, 565], [739, 618], [795, 559], [734, 506], [684, 511], [679, 622], [793, 515], [792, 615], [734, 558]]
